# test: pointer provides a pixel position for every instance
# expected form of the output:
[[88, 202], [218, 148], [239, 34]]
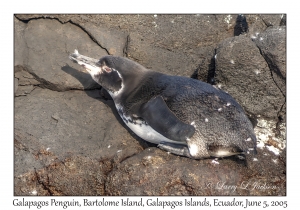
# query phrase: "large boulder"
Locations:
[[52, 128], [75, 122], [272, 44], [45, 46], [244, 73]]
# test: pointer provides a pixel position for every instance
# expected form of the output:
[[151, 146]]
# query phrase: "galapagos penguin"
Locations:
[[184, 116]]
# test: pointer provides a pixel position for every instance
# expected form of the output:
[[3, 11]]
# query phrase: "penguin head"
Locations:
[[111, 72], [107, 76]]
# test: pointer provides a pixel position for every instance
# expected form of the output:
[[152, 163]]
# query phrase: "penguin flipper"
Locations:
[[158, 115], [177, 149]]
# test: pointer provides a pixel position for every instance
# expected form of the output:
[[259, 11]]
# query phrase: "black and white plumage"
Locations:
[[184, 116]]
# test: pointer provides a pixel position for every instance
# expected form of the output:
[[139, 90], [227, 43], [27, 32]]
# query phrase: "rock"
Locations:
[[165, 61], [255, 23], [167, 49], [111, 40], [73, 122], [272, 20], [242, 71], [20, 55], [16, 84], [24, 78], [74, 176], [156, 41], [24, 90], [27, 184], [170, 50], [58, 129], [24, 82], [282, 113], [272, 44], [49, 44], [271, 133], [24, 157], [156, 173], [283, 20]]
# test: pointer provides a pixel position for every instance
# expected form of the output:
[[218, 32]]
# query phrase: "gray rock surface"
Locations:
[[114, 41], [47, 44], [24, 82], [272, 20], [243, 72], [155, 172], [21, 50], [74, 119], [69, 139], [255, 24], [272, 44]]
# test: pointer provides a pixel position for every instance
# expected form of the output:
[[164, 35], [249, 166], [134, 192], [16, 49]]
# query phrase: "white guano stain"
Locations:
[[253, 37], [273, 149], [215, 162], [227, 19], [154, 23], [260, 144], [257, 71], [264, 131]]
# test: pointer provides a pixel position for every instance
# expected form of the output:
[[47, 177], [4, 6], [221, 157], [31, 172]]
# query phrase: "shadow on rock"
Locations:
[[80, 76], [103, 96], [241, 25]]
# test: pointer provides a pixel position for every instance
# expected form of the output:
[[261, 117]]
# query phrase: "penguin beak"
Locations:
[[90, 64]]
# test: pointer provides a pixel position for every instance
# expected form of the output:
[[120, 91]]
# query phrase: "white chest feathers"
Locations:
[[143, 130], [147, 133]]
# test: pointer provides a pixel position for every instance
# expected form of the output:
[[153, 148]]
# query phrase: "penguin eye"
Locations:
[[107, 69]]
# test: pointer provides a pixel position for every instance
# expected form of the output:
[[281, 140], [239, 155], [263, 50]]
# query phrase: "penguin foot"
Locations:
[[177, 149], [221, 151]]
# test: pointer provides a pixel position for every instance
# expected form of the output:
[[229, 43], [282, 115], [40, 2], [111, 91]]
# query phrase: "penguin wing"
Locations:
[[158, 115]]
